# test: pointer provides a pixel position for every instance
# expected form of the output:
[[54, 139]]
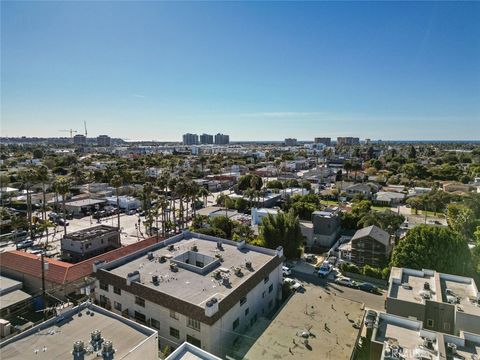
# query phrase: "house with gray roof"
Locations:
[[371, 246]]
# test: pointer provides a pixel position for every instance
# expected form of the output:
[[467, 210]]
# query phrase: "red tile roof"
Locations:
[[60, 272]]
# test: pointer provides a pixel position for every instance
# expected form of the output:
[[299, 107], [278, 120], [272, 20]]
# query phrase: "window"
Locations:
[[117, 290], [430, 322], [270, 304], [174, 333], [117, 306], [194, 341], [193, 323], [103, 286], [446, 327], [139, 301], [140, 317], [270, 288], [243, 300], [236, 323], [173, 315], [155, 323], [263, 295], [247, 310], [266, 279]]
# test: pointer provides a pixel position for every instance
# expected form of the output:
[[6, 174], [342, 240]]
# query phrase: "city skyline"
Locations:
[[258, 71]]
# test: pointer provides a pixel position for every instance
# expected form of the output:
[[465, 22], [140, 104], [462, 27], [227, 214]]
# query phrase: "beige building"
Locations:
[[443, 302], [196, 288]]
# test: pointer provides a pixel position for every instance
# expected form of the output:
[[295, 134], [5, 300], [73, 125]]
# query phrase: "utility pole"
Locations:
[[44, 297]]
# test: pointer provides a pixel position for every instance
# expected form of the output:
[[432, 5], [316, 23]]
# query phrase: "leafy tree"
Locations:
[[412, 152], [252, 181], [224, 224], [386, 220], [432, 247], [275, 184], [304, 209], [461, 219], [241, 204], [283, 230]]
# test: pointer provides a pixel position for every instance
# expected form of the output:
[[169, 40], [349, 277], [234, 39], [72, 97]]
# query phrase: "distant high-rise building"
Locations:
[[221, 139], [290, 142], [206, 139], [323, 140], [190, 139], [348, 141], [79, 139], [104, 140]]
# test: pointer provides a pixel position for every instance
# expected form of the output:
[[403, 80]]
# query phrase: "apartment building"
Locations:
[[290, 142], [370, 246], [396, 337], [190, 139], [221, 139], [323, 140], [84, 332], [206, 139], [104, 140], [195, 288], [79, 139], [348, 141], [443, 302]]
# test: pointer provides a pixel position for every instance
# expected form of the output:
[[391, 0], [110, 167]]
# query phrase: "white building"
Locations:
[[125, 202], [259, 214], [194, 288], [84, 332]]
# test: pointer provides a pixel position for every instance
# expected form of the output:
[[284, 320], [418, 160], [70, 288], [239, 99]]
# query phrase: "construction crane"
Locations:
[[85, 124], [70, 131]]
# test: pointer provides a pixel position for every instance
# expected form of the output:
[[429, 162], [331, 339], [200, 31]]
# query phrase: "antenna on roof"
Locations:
[[85, 125]]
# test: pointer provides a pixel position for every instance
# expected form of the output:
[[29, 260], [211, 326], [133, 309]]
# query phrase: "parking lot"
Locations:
[[314, 324]]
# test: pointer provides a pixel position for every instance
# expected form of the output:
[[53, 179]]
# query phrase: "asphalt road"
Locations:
[[372, 301]]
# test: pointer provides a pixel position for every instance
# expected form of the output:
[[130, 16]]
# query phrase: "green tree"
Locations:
[[432, 247], [283, 230], [461, 219], [251, 181], [224, 224]]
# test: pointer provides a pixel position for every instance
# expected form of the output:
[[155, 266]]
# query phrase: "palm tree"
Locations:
[[172, 184], [116, 182], [62, 186], [204, 193], [162, 203], [43, 177], [28, 177], [44, 226], [348, 166], [147, 196]]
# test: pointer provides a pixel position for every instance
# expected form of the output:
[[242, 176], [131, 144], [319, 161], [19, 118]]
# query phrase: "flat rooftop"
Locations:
[[417, 285], [411, 285], [407, 335], [7, 285], [54, 338], [187, 351], [466, 293], [90, 233], [329, 318], [200, 273], [85, 202]]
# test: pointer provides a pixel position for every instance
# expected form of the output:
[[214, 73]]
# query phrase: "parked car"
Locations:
[[62, 222], [325, 269], [345, 281], [310, 258], [370, 317], [368, 287], [286, 271], [294, 285], [24, 244], [131, 212]]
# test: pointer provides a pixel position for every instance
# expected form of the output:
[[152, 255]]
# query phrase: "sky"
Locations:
[[254, 70]]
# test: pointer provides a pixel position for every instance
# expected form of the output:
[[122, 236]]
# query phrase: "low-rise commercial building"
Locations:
[[84, 332], [12, 297], [194, 288], [87, 243], [443, 302]]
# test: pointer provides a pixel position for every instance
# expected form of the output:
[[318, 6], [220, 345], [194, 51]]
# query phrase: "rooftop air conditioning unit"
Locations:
[[226, 281], [155, 279], [173, 267], [406, 286], [217, 274], [248, 265], [219, 245], [171, 247], [150, 255], [194, 248], [162, 259], [78, 348], [451, 348], [426, 286], [238, 271], [107, 349]]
